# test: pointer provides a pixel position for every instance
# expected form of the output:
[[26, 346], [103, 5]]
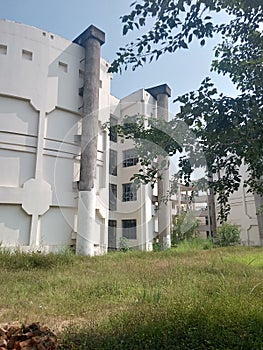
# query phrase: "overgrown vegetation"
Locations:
[[195, 244], [228, 234], [185, 234], [191, 299], [31, 261], [185, 227], [124, 245]]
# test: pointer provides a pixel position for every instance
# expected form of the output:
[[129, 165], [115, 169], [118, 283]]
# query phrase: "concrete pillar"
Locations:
[[259, 210], [91, 39], [211, 209], [161, 93]]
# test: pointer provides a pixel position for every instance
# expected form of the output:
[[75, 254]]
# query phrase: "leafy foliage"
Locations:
[[152, 137], [178, 23], [228, 234], [228, 132], [123, 245], [194, 245], [185, 227]]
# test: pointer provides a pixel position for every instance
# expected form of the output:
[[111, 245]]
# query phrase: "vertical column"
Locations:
[[91, 40], [162, 93], [211, 208], [259, 208]]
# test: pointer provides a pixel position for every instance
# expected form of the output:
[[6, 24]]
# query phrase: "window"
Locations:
[[129, 229], [112, 230], [113, 197], [113, 131], [81, 74], [3, 49], [27, 55], [113, 162], [129, 158], [63, 66], [129, 192]]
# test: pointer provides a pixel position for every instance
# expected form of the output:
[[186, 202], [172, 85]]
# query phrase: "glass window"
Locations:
[[129, 158], [113, 197], [129, 192], [113, 162], [129, 229], [113, 130]]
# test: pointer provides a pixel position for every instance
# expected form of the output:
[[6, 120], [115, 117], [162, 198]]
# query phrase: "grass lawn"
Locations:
[[178, 299]]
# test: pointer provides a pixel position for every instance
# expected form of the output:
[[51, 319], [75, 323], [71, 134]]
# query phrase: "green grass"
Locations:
[[179, 299], [194, 244]]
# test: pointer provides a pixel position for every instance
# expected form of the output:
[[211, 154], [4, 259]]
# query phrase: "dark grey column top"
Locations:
[[90, 32], [163, 89]]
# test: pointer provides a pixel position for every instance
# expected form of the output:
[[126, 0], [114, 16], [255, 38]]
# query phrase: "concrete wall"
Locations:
[[40, 120], [243, 213]]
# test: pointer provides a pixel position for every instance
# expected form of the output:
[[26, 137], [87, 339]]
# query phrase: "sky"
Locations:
[[182, 71]]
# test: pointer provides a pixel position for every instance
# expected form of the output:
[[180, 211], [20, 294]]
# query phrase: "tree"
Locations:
[[229, 130]]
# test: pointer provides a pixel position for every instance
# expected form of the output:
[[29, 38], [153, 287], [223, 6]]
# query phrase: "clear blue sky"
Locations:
[[182, 71]]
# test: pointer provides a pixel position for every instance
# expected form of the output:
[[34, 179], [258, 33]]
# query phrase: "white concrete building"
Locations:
[[42, 204], [51, 91], [245, 212]]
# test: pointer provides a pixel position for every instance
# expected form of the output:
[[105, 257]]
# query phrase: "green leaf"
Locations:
[[140, 48], [125, 29], [183, 45], [142, 21]]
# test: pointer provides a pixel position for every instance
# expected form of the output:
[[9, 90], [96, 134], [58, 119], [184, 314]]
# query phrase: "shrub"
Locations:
[[123, 244], [157, 247], [185, 227], [228, 234]]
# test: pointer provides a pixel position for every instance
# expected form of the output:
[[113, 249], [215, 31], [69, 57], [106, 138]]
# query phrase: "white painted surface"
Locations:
[[87, 235], [40, 118], [37, 197], [243, 213]]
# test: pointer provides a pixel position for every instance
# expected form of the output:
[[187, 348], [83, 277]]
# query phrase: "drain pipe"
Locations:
[[161, 93], [91, 39]]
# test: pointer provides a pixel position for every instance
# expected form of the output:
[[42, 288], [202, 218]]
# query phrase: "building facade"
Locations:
[[64, 181], [246, 212], [50, 89]]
